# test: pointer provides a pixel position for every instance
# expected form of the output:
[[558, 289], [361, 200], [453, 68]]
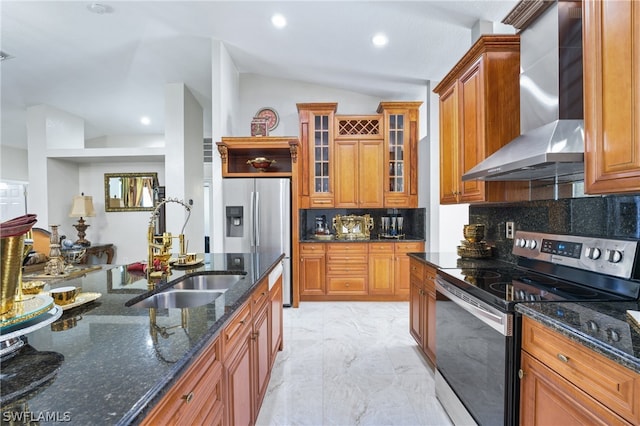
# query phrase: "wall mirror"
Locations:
[[127, 192]]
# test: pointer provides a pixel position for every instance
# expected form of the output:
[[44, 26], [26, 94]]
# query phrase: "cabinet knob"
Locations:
[[188, 397], [563, 358], [520, 374]]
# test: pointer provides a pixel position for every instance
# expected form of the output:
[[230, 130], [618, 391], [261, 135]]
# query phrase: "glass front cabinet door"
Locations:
[[316, 188], [401, 153]]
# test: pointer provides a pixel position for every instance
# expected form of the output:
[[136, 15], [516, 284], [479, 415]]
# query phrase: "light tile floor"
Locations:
[[350, 363]]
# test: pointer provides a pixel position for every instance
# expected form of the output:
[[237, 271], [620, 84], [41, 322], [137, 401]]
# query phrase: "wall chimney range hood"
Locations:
[[551, 145]]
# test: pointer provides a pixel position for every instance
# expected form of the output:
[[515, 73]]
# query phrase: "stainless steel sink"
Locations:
[[209, 282], [178, 299]]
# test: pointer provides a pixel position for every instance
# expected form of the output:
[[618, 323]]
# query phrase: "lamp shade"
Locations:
[[82, 206]]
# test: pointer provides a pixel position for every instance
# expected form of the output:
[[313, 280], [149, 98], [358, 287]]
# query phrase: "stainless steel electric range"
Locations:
[[478, 330]]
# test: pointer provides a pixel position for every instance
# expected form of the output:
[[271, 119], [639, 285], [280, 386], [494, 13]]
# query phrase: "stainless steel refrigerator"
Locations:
[[258, 219]]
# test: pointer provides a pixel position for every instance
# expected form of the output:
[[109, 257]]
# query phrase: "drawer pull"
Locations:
[[563, 358], [188, 397]]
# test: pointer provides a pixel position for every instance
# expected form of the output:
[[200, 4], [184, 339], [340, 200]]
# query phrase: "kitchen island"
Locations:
[[108, 363]]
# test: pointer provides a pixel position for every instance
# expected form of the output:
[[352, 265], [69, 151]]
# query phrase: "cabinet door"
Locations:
[[346, 173], [312, 271], [612, 92], [548, 399], [239, 404], [449, 139], [402, 266], [275, 319], [401, 153], [415, 304], [471, 133], [370, 180], [381, 274], [316, 156], [430, 327], [261, 356]]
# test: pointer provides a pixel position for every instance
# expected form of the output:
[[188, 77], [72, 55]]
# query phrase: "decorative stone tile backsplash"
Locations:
[[610, 216]]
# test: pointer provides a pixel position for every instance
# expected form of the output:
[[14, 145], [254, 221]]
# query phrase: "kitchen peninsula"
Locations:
[[109, 363]]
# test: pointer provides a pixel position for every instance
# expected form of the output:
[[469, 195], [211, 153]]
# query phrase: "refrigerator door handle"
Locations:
[[257, 219], [252, 225]]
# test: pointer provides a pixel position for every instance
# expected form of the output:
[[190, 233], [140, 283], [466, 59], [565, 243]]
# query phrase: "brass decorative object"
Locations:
[[159, 246], [261, 163], [55, 265], [352, 227], [472, 247], [11, 249]]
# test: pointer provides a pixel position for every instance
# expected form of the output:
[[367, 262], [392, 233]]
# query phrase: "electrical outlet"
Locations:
[[510, 229]]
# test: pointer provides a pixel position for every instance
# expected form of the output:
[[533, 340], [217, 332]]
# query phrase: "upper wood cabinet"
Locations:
[[479, 113], [358, 178], [235, 153], [401, 132], [359, 160], [611, 39], [316, 154]]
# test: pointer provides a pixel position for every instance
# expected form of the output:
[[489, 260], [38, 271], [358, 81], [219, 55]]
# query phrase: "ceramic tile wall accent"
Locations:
[[610, 216]]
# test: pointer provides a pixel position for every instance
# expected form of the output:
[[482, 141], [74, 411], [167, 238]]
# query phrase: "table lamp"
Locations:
[[82, 207]]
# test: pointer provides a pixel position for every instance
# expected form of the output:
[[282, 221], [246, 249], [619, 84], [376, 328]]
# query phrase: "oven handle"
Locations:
[[500, 323]]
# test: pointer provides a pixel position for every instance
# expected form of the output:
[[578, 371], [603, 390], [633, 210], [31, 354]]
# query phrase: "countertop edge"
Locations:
[[577, 336], [143, 406]]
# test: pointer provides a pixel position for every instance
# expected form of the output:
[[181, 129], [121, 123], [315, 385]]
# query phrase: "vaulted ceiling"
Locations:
[[110, 68]]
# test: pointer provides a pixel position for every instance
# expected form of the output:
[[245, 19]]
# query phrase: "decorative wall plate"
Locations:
[[271, 115]]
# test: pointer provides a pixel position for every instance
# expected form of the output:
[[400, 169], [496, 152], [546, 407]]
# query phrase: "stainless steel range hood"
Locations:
[[551, 146]]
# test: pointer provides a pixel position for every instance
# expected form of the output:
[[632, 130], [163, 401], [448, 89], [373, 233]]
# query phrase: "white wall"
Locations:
[[225, 82], [13, 164], [127, 230], [445, 221]]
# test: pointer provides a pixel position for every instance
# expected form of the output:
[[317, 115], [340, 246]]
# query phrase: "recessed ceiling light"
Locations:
[[99, 9], [279, 21], [379, 40], [145, 120]]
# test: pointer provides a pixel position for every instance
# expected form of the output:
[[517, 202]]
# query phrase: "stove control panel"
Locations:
[[602, 255]]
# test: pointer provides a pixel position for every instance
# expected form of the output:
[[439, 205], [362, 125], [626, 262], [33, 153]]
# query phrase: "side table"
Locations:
[[98, 250]]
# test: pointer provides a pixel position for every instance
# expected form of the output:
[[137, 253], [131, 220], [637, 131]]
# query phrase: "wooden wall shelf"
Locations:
[[236, 151]]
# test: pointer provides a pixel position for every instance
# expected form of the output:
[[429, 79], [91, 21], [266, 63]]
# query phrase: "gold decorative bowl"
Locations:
[[473, 232], [33, 287], [261, 163]]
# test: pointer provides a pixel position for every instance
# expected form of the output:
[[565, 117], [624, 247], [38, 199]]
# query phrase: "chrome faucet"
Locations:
[[159, 247]]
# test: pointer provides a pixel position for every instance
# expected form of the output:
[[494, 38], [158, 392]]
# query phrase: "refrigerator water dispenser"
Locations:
[[235, 225]]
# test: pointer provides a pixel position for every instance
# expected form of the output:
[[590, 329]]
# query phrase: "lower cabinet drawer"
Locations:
[[345, 268], [347, 258], [347, 285], [611, 384], [235, 332]]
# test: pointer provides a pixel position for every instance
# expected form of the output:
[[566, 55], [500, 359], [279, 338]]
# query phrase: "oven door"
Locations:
[[475, 377]]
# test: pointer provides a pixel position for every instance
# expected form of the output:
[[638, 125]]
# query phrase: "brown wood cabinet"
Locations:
[[347, 268], [479, 113], [381, 268], [401, 133], [197, 397], [611, 92], [276, 319], [312, 269], [372, 270], [316, 187], [422, 305], [401, 265], [358, 179], [235, 152], [563, 382], [260, 345]]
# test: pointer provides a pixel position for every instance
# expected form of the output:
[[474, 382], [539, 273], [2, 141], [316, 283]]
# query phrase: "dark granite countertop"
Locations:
[[106, 365], [570, 319], [374, 239], [450, 260]]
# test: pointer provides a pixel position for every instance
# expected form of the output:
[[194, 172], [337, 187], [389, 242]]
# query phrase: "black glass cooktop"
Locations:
[[505, 286]]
